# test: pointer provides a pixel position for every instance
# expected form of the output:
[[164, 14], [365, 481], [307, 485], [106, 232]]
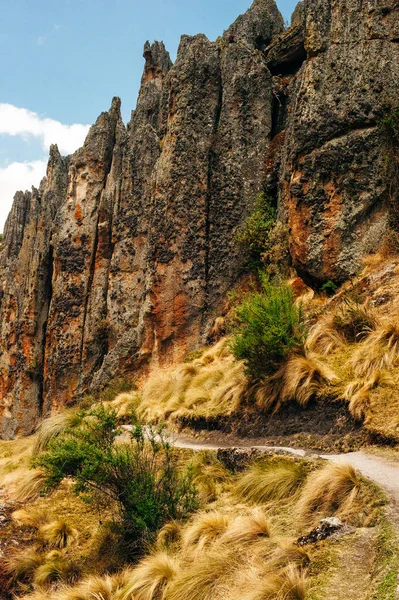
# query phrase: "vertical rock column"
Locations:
[[333, 180], [26, 295], [81, 253]]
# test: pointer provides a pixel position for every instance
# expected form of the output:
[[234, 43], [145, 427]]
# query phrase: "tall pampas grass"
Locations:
[[266, 481], [328, 490], [299, 379]]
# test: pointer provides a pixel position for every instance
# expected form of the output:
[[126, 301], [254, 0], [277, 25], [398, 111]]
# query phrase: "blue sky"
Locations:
[[66, 59]]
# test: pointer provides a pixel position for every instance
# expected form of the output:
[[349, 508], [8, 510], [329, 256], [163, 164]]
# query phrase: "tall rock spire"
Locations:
[[258, 26]]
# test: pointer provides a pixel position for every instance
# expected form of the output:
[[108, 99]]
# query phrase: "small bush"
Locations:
[[255, 235], [142, 477], [268, 327], [329, 288]]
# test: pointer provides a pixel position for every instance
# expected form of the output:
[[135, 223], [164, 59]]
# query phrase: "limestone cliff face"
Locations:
[[122, 258], [334, 69]]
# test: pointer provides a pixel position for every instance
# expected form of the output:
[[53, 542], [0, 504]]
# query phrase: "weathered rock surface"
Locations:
[[332, 178], [121, 260], [326, 528]]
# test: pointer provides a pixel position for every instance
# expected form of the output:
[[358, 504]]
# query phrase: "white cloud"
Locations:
[[18, 176], [23, 122], [41, 40]]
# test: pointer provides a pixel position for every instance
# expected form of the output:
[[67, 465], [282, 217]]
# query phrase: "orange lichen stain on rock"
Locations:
[[331, 217], [78, 214], [26, 346], [273, 150], [170, 327], [299, 218]]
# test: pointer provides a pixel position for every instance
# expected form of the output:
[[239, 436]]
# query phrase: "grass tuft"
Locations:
[[22, 565], [58, 534], [169, 536], [328, 490], [300, 379], [204, 530], [53, 427], [379, 352], [349, 323], [208, 387], [248, 528], [150, 578], [31, 486], [267, 481]]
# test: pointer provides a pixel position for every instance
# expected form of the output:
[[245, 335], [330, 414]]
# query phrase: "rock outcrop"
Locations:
[[122, 258], [332, 167]]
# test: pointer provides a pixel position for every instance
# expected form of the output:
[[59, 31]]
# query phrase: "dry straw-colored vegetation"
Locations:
[[215, 385], [266, 481], [239, 545], [209, 387]]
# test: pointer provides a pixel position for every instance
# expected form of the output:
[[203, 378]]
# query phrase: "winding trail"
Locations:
[[383, 471]]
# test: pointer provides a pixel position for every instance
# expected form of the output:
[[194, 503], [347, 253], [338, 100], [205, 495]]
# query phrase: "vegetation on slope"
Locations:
[[227, 549], [139, 476]]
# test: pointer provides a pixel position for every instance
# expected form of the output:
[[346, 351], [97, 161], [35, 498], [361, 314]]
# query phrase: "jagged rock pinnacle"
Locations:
[[258, 26], [157, 61]]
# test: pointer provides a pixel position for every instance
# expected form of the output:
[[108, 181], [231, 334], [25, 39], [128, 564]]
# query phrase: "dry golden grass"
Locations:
[[258, 584], [327, 491], [204, 530], [287, 553], [247, 528], [380, 351], [207, 577], [349, 322], [298, 380], [58, 534], [125, 404], [55, 426], [208, 387], [150, 578], [218, 329], [108, 587], [30, 485], [23, 563], [323, 337], [227, 551], [209, 475], [266, 481], [55, 568], [169, 536], [28, 518]]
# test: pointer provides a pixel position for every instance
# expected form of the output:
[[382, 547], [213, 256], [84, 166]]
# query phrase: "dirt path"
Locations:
[[380, 470]]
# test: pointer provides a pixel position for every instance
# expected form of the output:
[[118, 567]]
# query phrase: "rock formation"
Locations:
[[122, 258]]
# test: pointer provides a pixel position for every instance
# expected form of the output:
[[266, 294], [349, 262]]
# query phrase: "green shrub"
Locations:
[[389, 126], [254, 237], [329, 288], [268, 326], [140, 476]]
